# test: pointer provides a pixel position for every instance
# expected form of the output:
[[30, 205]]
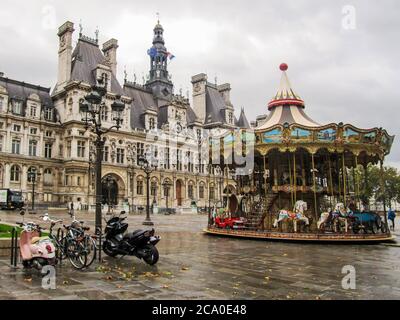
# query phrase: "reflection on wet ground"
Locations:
[[197, 266]]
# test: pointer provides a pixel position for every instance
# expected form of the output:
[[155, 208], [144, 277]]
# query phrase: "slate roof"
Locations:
[[242, 122], [143, 100], [215, 106], [191, 117], [85, 59], [22, 90]]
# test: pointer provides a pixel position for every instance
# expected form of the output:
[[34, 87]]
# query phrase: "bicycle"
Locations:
[[68, 246], [88, 241]]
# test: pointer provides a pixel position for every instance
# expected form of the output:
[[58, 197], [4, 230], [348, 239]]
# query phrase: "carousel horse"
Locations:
[[338, 216], [297, 215]]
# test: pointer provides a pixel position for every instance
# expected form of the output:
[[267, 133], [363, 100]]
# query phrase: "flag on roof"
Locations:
[[170, 56], [152, 52]]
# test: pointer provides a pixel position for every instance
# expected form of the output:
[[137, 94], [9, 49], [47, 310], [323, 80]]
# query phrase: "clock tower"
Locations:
[[159, 81]]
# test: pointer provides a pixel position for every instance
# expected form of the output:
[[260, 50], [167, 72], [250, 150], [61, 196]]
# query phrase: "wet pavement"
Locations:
[[197, 266]]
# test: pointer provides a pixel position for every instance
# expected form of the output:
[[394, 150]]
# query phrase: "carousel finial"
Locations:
[[283, 67]]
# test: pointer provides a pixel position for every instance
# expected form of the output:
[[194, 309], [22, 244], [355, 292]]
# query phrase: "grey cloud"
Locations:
[[343, 75]]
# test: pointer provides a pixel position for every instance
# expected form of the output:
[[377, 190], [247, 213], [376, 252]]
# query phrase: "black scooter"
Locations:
[[140, 243]]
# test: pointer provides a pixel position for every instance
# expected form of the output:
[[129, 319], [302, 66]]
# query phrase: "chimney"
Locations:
[[1, 74], [225, 91], [64, 54], [110, 52], [199, 96]]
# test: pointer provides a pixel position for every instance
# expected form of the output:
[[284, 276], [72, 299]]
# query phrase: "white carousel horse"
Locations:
[[296, 215], [338, 215]]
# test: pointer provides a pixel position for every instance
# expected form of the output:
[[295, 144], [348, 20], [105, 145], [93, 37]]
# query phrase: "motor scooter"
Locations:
[[140, 243], [36, 251]]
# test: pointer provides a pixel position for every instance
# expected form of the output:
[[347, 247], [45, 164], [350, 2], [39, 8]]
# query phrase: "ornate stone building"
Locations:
[[42, 130]]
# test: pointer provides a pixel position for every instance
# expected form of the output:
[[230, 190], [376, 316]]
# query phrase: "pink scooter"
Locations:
[[36, 251]]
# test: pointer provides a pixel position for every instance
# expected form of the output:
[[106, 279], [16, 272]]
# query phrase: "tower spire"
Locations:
[[159, 80]]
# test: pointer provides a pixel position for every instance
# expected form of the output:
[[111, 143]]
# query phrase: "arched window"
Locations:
[[48, 177], [201, 191], [153, 188], [139, 186], [15, 174], [191, 190]]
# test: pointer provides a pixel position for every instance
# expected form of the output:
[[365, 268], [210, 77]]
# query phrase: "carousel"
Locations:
[[305, 181]]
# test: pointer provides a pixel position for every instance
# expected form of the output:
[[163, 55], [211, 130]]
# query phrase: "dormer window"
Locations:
[[48, 114], [17, 107], [1, 104], [152, 124], [230, 118], [33, 111]]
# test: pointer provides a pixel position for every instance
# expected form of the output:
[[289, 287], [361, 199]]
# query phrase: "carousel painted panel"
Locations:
[[301, 134], [327, 135], [351, 136], [272, 136]]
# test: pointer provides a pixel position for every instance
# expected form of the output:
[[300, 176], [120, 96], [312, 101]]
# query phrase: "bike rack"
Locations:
[[99, 236], [60, 235], [14, 247]]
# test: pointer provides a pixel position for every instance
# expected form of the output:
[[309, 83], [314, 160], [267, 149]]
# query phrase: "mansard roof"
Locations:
[[191, 117], [143, 101], [215, 106], [22, 90], [85, 59]]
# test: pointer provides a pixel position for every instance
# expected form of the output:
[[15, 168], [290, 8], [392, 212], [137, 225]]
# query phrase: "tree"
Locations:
[[371, 185]]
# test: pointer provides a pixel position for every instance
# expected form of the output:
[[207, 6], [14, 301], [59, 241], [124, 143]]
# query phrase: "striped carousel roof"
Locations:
[[286, 106]]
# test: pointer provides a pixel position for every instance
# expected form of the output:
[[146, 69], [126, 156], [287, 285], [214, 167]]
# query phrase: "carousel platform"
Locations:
[[302, 237]]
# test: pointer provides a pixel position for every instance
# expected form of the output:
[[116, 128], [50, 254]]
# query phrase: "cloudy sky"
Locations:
[[342, 55]]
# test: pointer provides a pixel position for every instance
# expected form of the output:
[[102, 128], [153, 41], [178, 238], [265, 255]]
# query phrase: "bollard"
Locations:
[[100, 246], [14, 247]]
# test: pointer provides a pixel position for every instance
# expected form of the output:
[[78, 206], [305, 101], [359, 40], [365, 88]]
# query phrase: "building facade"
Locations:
[[42, 129]]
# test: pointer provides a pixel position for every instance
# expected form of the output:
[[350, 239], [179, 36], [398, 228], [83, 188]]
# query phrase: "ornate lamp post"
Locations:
[[131, 172], [148, 166], [92, 108], [32, 174], [167, 185]]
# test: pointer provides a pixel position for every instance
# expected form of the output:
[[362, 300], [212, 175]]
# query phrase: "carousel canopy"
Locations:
[[286, 106]]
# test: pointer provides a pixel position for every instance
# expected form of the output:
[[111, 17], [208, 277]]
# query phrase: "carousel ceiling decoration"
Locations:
[[286, 106]]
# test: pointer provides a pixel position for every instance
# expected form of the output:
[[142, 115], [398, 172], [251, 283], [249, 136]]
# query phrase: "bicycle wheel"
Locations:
[[76, 254], [91, 249]]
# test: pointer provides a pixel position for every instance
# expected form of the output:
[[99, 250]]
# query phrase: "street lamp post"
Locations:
[[91, 109], [32, 174], [148, 166], [167, 185]]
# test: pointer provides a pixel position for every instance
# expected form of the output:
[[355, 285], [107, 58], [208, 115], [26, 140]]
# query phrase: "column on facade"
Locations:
[[24, 178], [6, 175], [25, 142], [7, 143]]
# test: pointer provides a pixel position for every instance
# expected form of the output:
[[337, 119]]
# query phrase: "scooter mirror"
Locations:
[[123, 212]]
